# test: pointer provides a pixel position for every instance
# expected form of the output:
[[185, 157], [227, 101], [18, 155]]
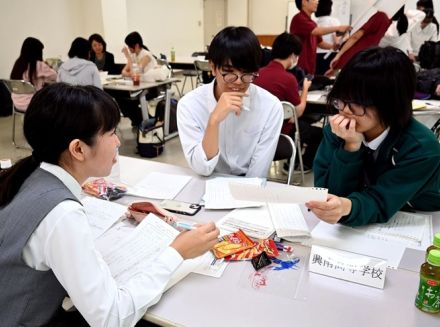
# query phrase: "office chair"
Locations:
[[289, 112], [201, 66], [18, 87], [286, 150]]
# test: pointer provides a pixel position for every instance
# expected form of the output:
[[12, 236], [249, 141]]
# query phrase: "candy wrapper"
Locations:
[[231, 244], [104, 189], [267, 246], [139, 210]]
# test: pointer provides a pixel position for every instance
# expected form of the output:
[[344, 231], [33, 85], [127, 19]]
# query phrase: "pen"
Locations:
[[184, 225], [284, 248]]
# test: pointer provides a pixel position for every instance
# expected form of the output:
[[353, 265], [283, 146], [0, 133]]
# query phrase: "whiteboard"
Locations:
[[340, 10]]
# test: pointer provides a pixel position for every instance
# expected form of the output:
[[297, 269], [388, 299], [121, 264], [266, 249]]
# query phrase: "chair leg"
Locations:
[[192, 83], [299, 152], [183, 86], [13, 129]]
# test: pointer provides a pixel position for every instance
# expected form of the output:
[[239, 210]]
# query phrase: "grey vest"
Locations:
[[28, 297]]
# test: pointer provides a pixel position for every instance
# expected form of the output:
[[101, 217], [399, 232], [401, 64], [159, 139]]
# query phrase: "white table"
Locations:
[[205, 301], [140, 91]]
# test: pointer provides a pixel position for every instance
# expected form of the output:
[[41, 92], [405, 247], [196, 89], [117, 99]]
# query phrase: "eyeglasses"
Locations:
[[355, 109], [245, 78]]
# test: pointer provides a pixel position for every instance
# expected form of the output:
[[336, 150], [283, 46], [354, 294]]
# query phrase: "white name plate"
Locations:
[[348, 266]]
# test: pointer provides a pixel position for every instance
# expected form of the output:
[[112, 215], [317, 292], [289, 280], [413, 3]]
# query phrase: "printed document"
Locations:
[[159, 186], [286, 194], [218, 196]]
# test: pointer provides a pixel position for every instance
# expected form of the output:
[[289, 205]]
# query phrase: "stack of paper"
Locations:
[[159, 186], [218, 196], [286, 220]]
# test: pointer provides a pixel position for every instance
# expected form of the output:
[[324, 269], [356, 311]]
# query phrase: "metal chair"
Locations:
[[191, 73], [18, 87], [289, 112], [201, 66], [163, 61], [286, 150]]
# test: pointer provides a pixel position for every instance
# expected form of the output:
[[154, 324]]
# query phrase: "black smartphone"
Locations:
[[183, 208]]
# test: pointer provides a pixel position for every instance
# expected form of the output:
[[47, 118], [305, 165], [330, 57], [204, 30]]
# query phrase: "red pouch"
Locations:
[[139, 210], [267, 246]]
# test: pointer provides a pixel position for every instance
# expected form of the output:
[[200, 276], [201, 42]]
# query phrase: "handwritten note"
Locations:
[[102, 214], [348, 266], [288, 221], [287, 194]]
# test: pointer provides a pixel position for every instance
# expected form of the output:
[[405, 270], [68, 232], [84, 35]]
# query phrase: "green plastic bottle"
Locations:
[[173, 54], [428, 295], [435, 244]]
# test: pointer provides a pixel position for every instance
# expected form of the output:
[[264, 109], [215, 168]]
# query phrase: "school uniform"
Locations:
[[402, 171], [247, 142], [47, 252]]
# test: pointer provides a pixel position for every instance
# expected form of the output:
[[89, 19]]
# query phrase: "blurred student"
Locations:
[[30, 67], [397, 34], [274, 78], [47, 250], [425, 31], [375, 158], [230, 125], [78, 69], [141, 61], [367, 36], [311, 34], [104, 60]]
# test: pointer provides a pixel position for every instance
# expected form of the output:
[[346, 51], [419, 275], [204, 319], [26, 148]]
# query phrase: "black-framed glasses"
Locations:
[[355, 109], [229, 77]]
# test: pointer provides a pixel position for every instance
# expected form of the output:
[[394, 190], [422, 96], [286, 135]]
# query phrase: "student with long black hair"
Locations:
[[30, 67], [46, 246]]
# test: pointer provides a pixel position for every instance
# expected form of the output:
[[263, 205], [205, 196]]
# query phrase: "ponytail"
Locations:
[[13, 178]]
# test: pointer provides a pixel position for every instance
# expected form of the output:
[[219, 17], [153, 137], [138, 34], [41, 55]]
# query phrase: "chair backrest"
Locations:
[[19, 87], [286, 150], [202, 65], [289, 110], [164, 62]]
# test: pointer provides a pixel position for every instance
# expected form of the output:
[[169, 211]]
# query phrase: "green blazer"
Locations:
[[405, 174]]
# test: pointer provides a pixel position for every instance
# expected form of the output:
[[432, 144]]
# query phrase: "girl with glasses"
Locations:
[[230, 126], [375, 158]]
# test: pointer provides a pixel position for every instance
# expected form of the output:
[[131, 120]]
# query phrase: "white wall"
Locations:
[[54, 22], [267, 17], [237, 12], [167, 23]]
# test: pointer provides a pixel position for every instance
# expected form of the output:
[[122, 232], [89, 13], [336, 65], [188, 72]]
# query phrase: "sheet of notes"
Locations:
[[159, 186]]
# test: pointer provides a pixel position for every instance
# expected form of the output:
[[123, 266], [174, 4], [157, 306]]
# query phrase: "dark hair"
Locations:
[[236, 46], [298, 4], [31, 52], [429, 14], [284, 45], [381, 77], [97, 38], [135, 38], [324, 8], [58, 114], [425, 4], [402, 25], [80, 48]]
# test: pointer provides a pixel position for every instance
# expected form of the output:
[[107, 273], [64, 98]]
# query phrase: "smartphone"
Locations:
[[184, 208]]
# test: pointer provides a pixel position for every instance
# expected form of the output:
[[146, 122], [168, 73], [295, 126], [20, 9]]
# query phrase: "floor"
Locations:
[[172, 153]]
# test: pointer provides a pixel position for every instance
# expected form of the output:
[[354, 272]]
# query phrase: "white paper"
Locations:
[[345, 238], [348, 266], [255, 222], [210, 266], [218, 196], [410, 229], [159, 186], [102, 214], [285, 194], [141, 246], [288, 221]]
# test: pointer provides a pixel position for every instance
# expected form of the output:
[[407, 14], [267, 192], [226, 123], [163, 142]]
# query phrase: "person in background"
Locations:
[[324, 19], [425, 31], [30, 67], [311, 34], [230, 125], [367, 36], [375, 158], [274, 78], [104, 60], [78, 69], [137, 55], [47, 250], [397, 34], [428, 4]]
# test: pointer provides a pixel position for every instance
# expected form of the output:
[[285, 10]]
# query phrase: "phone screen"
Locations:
[[180, 207]]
